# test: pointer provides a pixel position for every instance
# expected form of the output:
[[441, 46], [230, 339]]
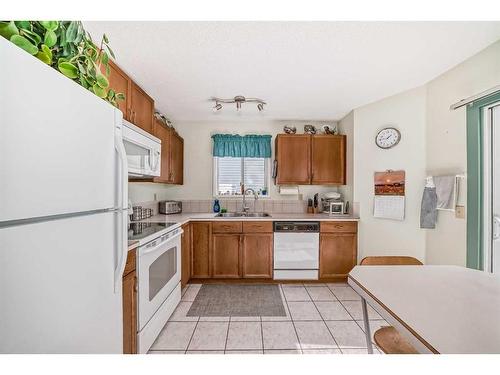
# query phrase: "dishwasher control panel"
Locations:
[[296, 226]]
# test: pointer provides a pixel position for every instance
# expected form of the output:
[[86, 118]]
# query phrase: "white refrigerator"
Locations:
[[63, 212]]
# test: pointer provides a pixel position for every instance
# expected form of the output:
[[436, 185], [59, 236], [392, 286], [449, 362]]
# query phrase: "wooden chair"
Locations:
[[388, 338], [390, 261]]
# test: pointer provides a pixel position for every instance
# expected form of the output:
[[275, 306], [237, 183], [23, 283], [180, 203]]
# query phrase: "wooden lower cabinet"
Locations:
[[201, 237], [185, 255], [226, 255], [337, 254], [129, 292], [257, 255]]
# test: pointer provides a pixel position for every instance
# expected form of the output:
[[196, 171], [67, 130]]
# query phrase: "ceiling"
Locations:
[[304, 70]]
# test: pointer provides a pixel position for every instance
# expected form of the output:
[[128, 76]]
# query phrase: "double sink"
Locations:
[[243, 214]]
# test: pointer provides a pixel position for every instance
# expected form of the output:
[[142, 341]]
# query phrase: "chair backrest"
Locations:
[[390, 261]]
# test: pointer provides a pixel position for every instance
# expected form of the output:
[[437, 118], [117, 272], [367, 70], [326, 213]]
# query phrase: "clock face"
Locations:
[[387, 138]]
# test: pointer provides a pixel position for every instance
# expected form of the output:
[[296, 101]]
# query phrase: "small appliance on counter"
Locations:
[[333, 204], [170, 207]]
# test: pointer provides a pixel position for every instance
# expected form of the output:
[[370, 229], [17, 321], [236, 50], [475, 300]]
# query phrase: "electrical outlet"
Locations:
[[460, 212]]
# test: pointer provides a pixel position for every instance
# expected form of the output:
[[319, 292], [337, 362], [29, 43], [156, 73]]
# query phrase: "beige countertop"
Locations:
[[132, 244], [186, 217]]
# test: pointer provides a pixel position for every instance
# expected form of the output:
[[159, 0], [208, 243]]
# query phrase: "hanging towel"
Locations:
[[428, 213], [445, 190]]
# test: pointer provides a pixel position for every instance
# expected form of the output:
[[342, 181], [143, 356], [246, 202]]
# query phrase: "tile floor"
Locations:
[[321, 319]]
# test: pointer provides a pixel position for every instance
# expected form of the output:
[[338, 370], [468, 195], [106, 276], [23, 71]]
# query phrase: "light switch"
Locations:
[[460, 212]]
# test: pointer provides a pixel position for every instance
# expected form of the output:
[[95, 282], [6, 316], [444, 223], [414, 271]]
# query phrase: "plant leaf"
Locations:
[[23, 24], [99, 91], [35, 38], [44, 57], [45, 49], [50, 38], [50, 25], [102, 80], [72, 31], [24, 43], [120, 96], [7, 29], [104, 58], [105, 38], [110, 51], [68, 69]]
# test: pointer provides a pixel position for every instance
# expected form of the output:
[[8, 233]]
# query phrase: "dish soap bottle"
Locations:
[[216, 206]]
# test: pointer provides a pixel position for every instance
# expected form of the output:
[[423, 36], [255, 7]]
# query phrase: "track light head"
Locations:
[[260, 107], [238, 106], [217, 107]]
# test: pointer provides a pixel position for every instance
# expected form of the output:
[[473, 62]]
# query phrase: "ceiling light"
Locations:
[[238, 100], [217, 107]]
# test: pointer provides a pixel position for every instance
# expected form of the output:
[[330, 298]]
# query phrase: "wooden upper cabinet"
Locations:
[[141, 108], [328, 165], [176, 163], [172, 154], [257, 255], [201, 245], [293, 155], [120, 83], [305, 159], [226, 255], [163, 133]]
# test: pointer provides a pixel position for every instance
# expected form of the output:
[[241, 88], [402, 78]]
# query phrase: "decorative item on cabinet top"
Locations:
[[289, 129], [163, 119], [330, 129], [68, 48], [309, 129]]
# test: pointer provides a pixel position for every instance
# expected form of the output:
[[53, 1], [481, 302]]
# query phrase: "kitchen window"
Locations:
[[230, 172]]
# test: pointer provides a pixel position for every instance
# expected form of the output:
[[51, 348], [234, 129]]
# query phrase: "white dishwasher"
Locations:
[[296, 250]]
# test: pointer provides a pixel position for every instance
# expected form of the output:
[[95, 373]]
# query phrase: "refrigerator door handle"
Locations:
[[122, 186]]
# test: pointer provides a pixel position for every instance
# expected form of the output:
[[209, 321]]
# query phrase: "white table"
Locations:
[[438, 309]]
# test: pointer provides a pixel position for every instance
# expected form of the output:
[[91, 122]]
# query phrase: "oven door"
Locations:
[[159, 265]]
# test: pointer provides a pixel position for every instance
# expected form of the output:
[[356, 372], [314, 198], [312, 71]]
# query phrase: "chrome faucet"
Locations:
[[244, 208]]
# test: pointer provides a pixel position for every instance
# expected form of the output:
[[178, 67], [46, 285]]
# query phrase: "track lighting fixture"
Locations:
[[238, 100]]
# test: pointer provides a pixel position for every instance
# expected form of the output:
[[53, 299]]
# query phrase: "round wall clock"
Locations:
[[388, 138]]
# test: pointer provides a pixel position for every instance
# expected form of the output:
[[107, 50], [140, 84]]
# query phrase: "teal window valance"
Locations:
[[237, 146]]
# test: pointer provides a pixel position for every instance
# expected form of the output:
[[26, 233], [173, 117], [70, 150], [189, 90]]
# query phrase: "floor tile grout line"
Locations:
[[192, 334], [357, 322], [227, 334], [323, 320], [293, 323]]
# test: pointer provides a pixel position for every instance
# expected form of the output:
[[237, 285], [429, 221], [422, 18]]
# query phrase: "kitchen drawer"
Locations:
[[339, 227], [227, 227], [257, 227], [130, 265]]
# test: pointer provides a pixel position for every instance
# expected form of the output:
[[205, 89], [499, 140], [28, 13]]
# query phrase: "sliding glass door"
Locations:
[[491, 192]]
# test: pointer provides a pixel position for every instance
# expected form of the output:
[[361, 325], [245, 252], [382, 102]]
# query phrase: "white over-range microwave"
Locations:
[[143, 151]]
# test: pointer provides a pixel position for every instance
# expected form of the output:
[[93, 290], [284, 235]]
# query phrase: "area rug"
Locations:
[[238, 300]]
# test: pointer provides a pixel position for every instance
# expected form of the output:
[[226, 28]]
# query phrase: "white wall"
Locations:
[[346, 126], [198, 161], [406, 112], [446, 143]]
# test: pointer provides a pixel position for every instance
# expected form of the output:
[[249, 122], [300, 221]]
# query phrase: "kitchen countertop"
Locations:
[[132, 244], [186, 217]]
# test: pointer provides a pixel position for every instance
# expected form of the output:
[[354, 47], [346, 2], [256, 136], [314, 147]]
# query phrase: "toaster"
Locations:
[[170, 207]]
